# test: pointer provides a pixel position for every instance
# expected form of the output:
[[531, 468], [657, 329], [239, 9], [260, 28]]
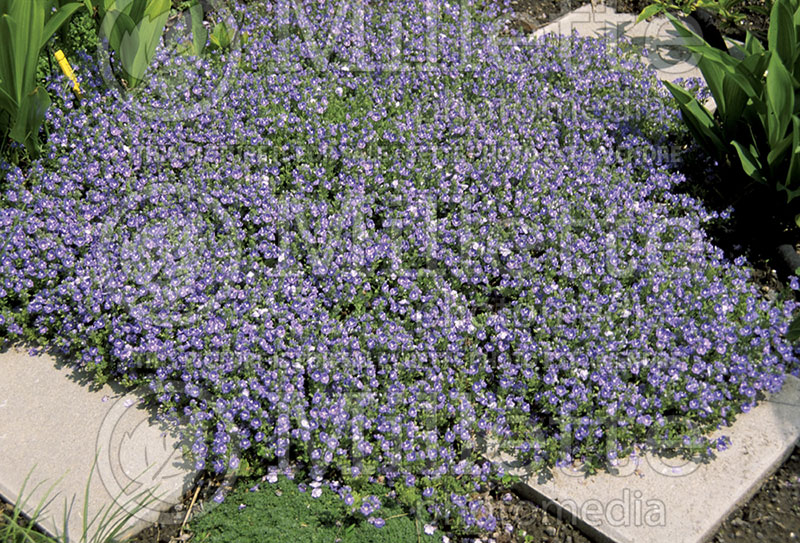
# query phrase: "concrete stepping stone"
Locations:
[[54, 427], [652, 499], [657, 37]]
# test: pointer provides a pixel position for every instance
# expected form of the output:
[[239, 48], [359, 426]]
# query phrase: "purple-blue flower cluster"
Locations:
[[387, 245]]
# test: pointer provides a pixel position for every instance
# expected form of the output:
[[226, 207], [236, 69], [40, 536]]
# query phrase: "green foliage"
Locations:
[[133, 29], [756, 125], [727, 10], [25, 28], [80, 35], [221, 36], [280, 512], [199, 32]]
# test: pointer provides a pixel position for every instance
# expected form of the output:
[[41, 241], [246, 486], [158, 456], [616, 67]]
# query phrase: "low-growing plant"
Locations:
[[283, 511], [756, 124], [382, 251]]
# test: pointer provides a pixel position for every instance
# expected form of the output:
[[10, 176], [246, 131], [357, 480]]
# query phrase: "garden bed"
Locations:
[[346, 263]]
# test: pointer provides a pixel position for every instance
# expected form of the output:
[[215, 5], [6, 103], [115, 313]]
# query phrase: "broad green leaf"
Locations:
[[735, 102], [128, 49], [136, 9], [781, 35], [649, 11], [121, 25], [780, 100], [199, 32], [149, 31], [714, 76], [221, 36]]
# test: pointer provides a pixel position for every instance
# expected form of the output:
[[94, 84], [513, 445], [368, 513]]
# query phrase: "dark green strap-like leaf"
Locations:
[[58, 19], [699, 121], [149, 31], [137, 9], [738, 73], [28, 17], [749, 161], [792, 185], [7, 72], [31, 116], [7, 103], [775, 157], [714, 76]]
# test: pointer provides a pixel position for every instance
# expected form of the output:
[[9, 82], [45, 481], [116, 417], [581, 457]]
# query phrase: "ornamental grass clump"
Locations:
[[381, 252]]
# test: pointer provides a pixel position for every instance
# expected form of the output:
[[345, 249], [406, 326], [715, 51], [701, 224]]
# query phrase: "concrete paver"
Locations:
[[53, 426], [652, 499]]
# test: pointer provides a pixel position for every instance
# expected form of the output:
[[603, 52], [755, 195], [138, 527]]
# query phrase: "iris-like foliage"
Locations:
[[388, 243]]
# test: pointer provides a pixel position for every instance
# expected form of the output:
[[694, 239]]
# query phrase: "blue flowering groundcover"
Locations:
[[375, 256]]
